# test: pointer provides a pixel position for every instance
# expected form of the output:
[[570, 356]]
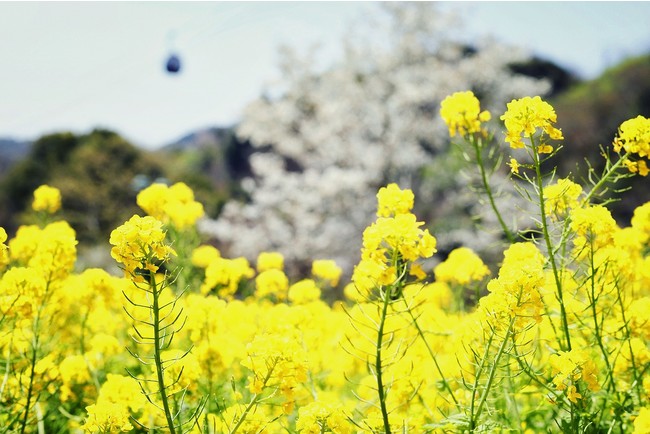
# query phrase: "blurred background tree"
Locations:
[[325, 141], [298, 174], [95, 174]]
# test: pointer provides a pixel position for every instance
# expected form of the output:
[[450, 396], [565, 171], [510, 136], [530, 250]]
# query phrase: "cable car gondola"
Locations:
[[173, 65]]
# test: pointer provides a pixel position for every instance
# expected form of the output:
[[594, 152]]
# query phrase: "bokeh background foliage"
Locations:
[[296, 173]]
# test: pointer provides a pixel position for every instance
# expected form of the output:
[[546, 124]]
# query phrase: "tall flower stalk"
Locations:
[[464, 118], [139, 245], [391, 247]]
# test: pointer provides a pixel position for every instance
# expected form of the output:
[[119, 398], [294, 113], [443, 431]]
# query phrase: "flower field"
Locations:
[[186, 340]]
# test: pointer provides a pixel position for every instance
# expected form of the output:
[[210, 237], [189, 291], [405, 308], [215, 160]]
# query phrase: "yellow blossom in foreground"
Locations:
[[524, 116], [123, 390], [514, 166], [462, 113], [641, 221], [21, 292], [278, 361], [515, 293], [634, 136], [642, 421], [391, 201], [107, 417], [594, 227], [561, 196], [569, 367], [140, 244], [319, 417], [639, 167], [51, 250], [47, 199]]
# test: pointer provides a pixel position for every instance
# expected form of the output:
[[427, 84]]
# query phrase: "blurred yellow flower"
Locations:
[[327, 270], [47, 199], [462, 113]]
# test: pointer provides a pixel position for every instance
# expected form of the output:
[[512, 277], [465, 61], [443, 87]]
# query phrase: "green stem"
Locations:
[[157, 352], [255, 399], [637, 382], [433, 356], [478, 148], [30, 388], [526, 370], [35, 347], [609, 172], [549, 244], [378, 360], [491, 375], [597, 328], [477, 377]]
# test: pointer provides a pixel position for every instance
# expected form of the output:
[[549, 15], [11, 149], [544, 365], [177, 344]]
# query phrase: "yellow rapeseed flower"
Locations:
[[634, 136], [47, 199], [642, 421], [462, 113], [204, 255], [224, 275], [594, 227], [272, 282], [524, 116], [570, 367], [4, 250], [107, 417], [270, 260], [123, 390], [515, 293], [327, 270], [140, 244], [391, 201], [461, 267], [173, 204], [514, 166], [318, 417], [304, 291], [561, 196]]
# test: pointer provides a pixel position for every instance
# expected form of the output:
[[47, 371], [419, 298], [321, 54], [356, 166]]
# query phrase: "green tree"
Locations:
[[95, 174]]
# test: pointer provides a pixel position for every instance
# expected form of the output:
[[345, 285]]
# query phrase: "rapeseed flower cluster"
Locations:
[[634, 137], [524, 117], [171, 204], [139, 245], [516, 293], [462, 113], [561, 197], [47, 199], [559, 338], [461, 267], [571, 370], [392, 243]]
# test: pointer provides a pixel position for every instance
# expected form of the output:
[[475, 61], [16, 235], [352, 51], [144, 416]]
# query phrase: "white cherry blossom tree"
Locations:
[[329, 139]]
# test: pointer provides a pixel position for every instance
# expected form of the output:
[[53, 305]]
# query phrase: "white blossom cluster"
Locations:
[[330, 139]]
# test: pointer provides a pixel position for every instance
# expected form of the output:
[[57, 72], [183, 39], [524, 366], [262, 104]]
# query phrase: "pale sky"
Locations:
[[73, 66]]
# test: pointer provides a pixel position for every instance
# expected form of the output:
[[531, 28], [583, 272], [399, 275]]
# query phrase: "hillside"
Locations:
[[12, 151], [589, 114]]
